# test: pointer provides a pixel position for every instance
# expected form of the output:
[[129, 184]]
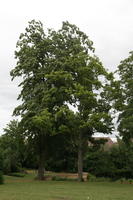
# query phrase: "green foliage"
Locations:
[[58, 178], [12, 147], [1, 178], [125, 98], [125, 181], [99, 163], [115, 163], [14, 150], [122, 180], [130, 181], [16, 174], [1, 160], [61, 155], [60, 72], [91, 178], [103, 179]]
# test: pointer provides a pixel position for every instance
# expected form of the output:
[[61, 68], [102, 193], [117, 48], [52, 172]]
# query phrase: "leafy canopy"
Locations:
[[59, 70]]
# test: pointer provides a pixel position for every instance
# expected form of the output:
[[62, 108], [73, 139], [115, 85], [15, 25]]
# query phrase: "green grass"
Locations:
[[27, 188]]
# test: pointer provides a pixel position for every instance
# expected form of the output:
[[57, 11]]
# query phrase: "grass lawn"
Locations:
[[28, 189]]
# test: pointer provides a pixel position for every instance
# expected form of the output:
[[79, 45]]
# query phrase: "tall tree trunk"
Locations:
[[41, 169], [41, 160], [80, 159]]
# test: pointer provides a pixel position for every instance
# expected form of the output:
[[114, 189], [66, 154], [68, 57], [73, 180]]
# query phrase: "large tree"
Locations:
[[62, 87]]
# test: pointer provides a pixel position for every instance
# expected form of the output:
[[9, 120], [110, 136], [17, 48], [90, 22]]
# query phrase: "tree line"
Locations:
[[66, 96], [18, 154]]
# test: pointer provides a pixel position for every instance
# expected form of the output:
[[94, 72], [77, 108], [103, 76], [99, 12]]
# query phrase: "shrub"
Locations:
[[16, 174], [91, 178], [102, 179], [130, 181], [1, 178], [122, 180], [58, 178]]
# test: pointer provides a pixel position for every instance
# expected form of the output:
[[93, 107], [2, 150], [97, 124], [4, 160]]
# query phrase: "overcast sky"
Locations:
[[108, 23]]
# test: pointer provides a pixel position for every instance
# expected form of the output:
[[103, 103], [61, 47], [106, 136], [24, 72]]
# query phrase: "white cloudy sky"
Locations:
[[107, 22]]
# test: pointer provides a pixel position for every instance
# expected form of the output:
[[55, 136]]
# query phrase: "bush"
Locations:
[[102, 179], [16, 174], [72, 179], [91, 178], [1, 178], [122, 180], [130, 181], [58, 178], [120, 173]]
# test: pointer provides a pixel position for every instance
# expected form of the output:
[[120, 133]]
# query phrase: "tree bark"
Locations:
[[80, 159], [41, 169], [41, 160]]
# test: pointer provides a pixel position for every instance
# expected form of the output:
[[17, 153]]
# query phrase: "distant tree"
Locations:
[[116, 162], [99, 163], [121, 156], [59, 71], [124, 98], [12, 147]]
